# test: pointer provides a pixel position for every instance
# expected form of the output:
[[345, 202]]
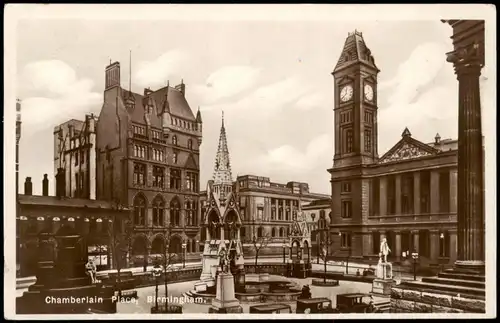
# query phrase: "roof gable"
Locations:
[[191, 163], [407, 148]]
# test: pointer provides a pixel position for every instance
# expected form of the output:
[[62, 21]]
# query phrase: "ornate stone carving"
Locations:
[[467, 59], [406, 151]]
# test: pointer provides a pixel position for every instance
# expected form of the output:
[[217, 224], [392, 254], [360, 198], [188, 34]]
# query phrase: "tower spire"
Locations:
[[222, 170]]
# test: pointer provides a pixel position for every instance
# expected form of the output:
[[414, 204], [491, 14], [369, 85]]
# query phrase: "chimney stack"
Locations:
[[60, 182], [437, 139], [45, 185], [112, 76], [28, 186], [181, 88]]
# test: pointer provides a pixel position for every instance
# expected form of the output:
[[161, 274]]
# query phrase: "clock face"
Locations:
[[346, 93], [368, 92]]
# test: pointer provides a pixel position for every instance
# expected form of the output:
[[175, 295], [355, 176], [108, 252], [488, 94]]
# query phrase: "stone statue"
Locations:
[[91, 269], [384, 250]]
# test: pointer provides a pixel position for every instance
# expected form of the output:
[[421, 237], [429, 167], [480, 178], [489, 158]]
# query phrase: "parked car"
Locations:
[[315, 305], [355, 303], [271, 309]]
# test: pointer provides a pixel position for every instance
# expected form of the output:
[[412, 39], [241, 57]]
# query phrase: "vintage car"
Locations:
[[275, 308], [315, 305], [355, 303]]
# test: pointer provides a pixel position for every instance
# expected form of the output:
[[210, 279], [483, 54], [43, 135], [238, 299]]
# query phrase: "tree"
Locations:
[[325, 242], [120, 234], [168, 257]]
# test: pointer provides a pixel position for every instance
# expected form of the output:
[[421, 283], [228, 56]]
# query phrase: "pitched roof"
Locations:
[[354, 51], [407, 148], [177, 104], [41, 200]]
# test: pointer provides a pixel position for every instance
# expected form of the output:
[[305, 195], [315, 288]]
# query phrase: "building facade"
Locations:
[[148, 159], [314, 212], [75, 153], [43, 215], [408, 195]]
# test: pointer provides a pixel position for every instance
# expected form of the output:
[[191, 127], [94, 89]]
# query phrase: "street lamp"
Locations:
[[414, 255], [183, 254], [156, 272], [198, 245], [284, 247]]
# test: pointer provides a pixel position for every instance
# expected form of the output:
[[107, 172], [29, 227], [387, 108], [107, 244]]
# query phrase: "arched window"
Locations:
[[175, 217], [174, 158], [189, 213], [174, 140], [158, 211], [260, 232], [282, 232], [139, 210], [273, 232], [190, 144]]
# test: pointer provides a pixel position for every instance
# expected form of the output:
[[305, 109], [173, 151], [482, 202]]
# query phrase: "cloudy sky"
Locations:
[[271, 78]]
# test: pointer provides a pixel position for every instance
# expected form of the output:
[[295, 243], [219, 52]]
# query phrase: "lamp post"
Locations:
[[197, 246], [156, 272], [414, 255], [184, 254], [284, 247], [442, 250]]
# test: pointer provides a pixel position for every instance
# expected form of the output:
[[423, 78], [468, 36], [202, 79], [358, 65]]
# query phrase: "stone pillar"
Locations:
[[434, 244], [468, 60], [416, 192], [283, 213], [453, 190], [398, 194], [416, 240], [397, 247], [383, 196], [453, 245], [434, 192], [149, 216]]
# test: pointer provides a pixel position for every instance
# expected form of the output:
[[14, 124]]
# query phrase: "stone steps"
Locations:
[[462, 276], [440, 288], [454, 282]]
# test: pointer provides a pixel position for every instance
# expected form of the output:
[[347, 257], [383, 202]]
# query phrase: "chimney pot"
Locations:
[[181, 88], [45, 185], [28, 186], [60, 182]]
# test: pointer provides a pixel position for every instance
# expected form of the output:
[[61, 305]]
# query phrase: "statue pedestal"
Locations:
[[383, 283], [225, 300]]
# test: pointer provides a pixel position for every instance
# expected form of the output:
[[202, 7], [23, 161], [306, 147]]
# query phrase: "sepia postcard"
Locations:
[[228, 161]]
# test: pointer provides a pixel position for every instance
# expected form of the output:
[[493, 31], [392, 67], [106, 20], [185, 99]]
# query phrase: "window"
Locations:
[[280, 212], [139, 151], [82, 157], [174, 140], [273, 232], [190, 144], [282, 232], [174, 158], [391, 195], [345, 187], [346, 209], [368, 118], [158, 211], [260, 232], [77, 181], [175, 179], [158, 176], [76, 158], [140, 210], [175, 217], [139, 130], [444, 192], [368, 140], [273, 211], [139, 174], [191, 182], [260, 212], [157, 154], [348, 141], [376, 242], [190, 214], [345, 240]]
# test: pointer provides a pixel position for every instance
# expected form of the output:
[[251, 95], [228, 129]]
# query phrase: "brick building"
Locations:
[[148, 160], [314, 212], [408, 195], [75, 152]]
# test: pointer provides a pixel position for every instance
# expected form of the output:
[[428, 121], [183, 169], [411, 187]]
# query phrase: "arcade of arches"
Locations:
[[173, 212]]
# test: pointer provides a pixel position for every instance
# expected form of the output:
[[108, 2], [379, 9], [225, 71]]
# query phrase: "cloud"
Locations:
[[226, 82], [55, 94], [422, 96], [289, 159], [158, 71], [311, 101]]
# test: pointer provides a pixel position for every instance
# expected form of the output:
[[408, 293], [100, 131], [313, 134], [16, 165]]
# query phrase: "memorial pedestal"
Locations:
[[225, 300], [383, 283]]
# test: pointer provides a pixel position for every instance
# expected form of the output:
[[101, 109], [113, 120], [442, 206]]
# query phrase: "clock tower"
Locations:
[[355, 119], [355, 112]]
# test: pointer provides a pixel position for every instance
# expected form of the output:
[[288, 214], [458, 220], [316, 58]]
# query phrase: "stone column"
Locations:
[[416, 240], [397, 247], [434, 192], [383, 196], [398, 194], [468, 60], [283, 213], [453, 245], [453, 190], [434, 244], [416, 192]]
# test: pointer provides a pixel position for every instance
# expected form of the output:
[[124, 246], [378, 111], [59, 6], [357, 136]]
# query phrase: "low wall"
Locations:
[[414, 301]]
